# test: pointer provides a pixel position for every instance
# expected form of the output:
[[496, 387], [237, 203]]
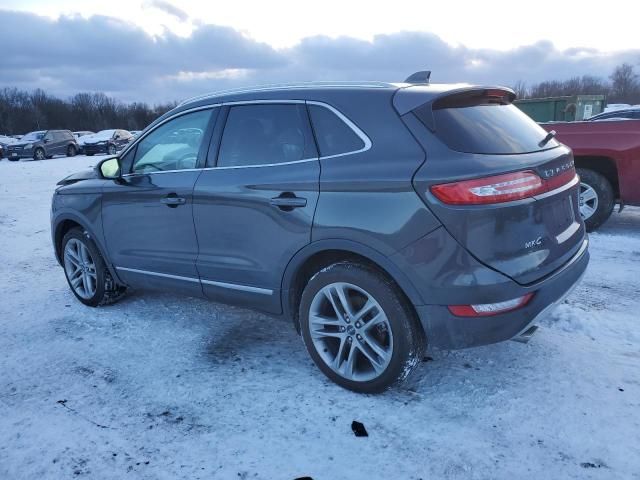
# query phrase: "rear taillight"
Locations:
[[488, 309], [499, 188]]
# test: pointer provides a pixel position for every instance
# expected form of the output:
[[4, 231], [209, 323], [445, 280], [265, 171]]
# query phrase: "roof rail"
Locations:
[[419, 77], [283, 86]]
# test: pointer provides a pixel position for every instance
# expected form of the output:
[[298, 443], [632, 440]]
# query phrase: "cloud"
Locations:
[[170, 9], [73, 54]]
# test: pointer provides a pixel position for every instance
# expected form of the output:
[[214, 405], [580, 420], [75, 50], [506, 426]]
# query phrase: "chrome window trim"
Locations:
[[363, 136], [234, 167], [230, 286]]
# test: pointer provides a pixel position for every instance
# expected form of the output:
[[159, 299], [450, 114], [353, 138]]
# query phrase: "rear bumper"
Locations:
[[482, 285]]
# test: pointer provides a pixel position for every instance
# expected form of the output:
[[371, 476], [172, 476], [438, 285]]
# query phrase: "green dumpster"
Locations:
[[562, 109]]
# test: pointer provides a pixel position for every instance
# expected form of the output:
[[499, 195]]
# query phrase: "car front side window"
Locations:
[[174, 145]]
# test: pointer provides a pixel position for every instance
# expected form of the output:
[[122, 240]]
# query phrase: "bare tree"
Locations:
[[21, 112], [521, 89], [624, 84]]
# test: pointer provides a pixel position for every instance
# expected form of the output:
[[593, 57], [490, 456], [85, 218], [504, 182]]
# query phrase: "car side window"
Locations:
[[262, 135], [174, 145], [333, 135]]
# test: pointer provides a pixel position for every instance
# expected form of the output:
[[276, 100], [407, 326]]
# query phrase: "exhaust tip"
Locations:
[[525, 336]]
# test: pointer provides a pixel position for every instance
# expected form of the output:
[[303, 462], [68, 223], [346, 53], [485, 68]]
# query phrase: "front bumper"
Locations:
[[18, 154], [94, 149]]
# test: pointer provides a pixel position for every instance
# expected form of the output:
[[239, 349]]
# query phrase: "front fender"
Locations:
[[89, 219]]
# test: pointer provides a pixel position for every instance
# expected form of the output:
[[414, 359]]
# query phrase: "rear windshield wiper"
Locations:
[[546, 139]]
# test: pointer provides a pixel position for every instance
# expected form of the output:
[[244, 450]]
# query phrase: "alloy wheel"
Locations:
[[40, 154], [350, 331], [80, 269], [588, 201]]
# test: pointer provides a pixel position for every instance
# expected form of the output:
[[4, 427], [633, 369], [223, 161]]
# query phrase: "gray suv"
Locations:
[[43, 144], [379, 218]]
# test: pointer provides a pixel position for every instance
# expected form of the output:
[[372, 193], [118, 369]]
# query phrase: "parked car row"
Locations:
[[43, 144]]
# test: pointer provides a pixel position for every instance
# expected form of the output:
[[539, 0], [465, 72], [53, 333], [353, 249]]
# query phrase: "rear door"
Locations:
[[504, 193], [253, 209]]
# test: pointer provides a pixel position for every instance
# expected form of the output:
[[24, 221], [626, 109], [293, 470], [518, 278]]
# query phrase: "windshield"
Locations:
[[33, 136]]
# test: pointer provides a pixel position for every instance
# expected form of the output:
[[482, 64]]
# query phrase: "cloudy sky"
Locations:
[[159, 50]]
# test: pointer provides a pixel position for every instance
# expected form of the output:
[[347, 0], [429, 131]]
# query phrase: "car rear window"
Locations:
[[333, 135], [485, 124]]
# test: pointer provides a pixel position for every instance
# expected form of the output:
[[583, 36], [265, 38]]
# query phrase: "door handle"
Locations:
[[288, 201], [172, 200]]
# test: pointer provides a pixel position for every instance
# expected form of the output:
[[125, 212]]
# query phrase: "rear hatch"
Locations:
[[499, 185]]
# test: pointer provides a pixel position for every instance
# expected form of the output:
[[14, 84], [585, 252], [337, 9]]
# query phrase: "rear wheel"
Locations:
[[358, 328], [596, 198], [86, 272], [71, 151], [111, 149]]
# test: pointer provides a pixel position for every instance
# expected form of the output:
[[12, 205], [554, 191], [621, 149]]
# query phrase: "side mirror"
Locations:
[[46, 140], [109, 168]]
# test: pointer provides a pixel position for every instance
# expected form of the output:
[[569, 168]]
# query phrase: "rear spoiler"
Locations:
[[410, 97]]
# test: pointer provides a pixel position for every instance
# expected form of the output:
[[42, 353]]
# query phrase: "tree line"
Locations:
[[622, 86], [22, 112]]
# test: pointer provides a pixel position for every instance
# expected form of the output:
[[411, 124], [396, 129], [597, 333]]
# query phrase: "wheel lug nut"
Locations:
[[357, 324], [359, 337], [349, 339]]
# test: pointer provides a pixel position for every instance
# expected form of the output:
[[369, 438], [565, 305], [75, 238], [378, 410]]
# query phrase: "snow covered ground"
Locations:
[[161, 386]]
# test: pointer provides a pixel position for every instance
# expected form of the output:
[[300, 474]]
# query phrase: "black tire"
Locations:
[[38, 154], [13, 159], [605, 197], [111, 149], [106, 291], [407, 336], [89, 154], [71, 151]]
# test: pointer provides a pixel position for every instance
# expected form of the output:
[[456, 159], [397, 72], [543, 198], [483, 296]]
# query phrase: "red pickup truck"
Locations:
[[607, 156]]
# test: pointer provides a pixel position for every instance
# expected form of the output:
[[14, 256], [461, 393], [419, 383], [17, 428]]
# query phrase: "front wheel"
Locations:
[[39, 154], [596, 199], [71, 151], [86, 272], [111, 150], [358, 328]]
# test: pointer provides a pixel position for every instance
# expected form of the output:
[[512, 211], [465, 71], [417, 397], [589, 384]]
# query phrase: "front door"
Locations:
[[254, 210], [148, 213]]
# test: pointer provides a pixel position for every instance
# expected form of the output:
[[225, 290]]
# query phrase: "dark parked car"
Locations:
[[622, 114], [379, 218], [106, 142], [43, 144]]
